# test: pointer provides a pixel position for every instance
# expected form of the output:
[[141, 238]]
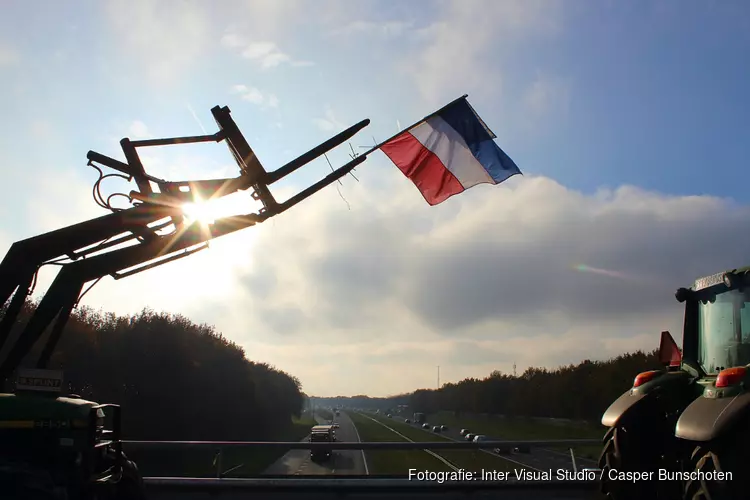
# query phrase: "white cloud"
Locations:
[[485, 279], [255, 96], [329, 122], [264, 53], [138, 130], [164, 41], [250, 94], [462, 52], [386, 29]]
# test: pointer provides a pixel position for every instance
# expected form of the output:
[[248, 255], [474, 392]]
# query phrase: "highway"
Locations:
[[343, 463], [538, 458], [296, 464]]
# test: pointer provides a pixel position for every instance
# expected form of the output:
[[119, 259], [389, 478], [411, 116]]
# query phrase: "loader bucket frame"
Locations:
[[154, 230]]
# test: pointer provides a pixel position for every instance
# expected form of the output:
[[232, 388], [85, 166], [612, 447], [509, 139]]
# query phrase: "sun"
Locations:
[[215, 269], [201, 211], [208, 211]]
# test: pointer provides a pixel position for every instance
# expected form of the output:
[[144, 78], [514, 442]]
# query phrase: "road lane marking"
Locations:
[[580, 459], [553, 452], [485, 451], [429, 452], [359, 440]]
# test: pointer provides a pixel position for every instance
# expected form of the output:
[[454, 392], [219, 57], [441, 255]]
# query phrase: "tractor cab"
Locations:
[[716, 334], [60, 445], [717, 324], [691, 418]]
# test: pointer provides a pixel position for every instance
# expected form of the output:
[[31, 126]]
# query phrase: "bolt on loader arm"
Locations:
[[78, 248]]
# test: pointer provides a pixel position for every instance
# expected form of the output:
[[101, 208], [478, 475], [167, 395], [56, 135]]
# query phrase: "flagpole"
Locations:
[[414, 125]]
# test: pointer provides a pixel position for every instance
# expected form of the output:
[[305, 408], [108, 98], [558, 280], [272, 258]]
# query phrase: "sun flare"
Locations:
[[202, 211], [208, 211]]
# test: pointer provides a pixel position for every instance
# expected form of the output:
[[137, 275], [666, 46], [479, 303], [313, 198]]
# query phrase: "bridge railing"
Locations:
[[582, 481], [346, 445], [371, 487]]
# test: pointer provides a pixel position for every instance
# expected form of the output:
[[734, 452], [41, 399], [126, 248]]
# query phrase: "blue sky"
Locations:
[[637, 109]]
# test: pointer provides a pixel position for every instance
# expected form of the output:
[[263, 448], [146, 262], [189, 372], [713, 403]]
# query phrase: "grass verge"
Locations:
[[472, 460], [392, 462], [199, 462], [527, 428]]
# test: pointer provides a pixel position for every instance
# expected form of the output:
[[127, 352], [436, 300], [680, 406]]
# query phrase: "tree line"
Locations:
[[175, 380], [580, 391], [577, 392]]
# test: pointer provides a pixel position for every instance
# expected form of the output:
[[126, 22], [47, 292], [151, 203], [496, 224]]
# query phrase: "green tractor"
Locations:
[[61, 447], [684, 432]]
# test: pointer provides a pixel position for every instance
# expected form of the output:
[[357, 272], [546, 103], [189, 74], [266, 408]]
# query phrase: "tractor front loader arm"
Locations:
[[22, 262], [84, 243]]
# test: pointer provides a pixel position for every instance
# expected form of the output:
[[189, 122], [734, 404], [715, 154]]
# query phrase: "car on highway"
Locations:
[[479, 438], [388, 416], [436, 428], [443, 427], [469, 437], [426, 426], [407, 421], [464, 432]]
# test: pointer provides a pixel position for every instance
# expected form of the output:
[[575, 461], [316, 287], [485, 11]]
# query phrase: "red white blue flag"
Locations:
[[448, 152]]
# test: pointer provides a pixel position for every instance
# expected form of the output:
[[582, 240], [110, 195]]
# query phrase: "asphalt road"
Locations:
[[538, 458], [343, 463]]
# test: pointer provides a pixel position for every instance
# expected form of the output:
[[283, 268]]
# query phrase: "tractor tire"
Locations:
[[632, 451], [728, 456]]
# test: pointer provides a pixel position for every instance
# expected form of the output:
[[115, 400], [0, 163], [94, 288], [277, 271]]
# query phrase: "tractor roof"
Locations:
[[32, 406], [718, 278]]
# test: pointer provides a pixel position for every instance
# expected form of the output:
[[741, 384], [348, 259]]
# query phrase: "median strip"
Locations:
[[364, 457], [394, 463], [466, 459], [430, 452]]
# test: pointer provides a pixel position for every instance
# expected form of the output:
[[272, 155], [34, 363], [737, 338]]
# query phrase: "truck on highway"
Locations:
[[419, 418], [322, 434]]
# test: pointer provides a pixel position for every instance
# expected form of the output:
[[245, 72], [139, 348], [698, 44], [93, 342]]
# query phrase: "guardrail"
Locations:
[[346, 445], [364, 484], [582, 484]]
